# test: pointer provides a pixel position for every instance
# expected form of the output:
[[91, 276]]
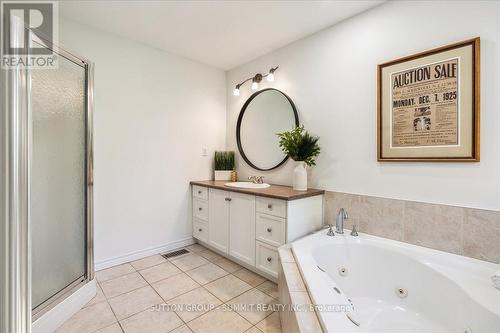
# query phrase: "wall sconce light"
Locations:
[[236, 91], [256, 79], [270, 76]]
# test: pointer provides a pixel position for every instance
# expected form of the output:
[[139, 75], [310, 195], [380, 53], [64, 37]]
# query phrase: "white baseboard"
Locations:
[[143, 253], [56, 316]]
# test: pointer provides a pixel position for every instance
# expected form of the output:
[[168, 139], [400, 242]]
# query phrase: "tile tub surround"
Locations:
[[126, 294], [293, 292], [465, 231]]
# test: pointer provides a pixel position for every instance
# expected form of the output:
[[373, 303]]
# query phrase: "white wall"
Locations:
[[331, 76], [154, 112]]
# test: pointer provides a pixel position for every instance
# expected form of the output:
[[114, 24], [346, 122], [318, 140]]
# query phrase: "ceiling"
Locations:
[[223, 34]]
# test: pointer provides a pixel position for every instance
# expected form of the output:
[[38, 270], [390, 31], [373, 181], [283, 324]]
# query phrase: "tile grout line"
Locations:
[[109, 268], [131, 290], [103, 328], [114, 314], [269, 315], [231, 310], [143, 269], [462, 228], [403, 222], [168, 277], [142, 277]]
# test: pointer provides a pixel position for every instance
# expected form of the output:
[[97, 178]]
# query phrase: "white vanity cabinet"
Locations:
[[249, 227]]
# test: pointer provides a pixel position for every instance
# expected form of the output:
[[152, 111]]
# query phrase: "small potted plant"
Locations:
[[303, 148], [224, 165]]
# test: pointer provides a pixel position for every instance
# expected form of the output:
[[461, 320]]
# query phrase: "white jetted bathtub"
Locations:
[[385, 286]]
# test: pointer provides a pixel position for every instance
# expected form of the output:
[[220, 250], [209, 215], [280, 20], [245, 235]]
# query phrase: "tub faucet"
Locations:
[[341, 216], [256, 179]]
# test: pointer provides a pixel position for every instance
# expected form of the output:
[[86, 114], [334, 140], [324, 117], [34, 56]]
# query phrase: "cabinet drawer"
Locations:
[[267, 258], [270, 229], [200, 230], [200, 209], [270, 206], [200, 192]]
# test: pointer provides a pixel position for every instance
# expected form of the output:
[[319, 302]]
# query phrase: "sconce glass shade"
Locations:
[[270, 77], [236, 92], [255, 86]]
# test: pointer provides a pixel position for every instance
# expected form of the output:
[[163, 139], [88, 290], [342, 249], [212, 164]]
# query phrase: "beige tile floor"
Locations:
[[127, 295]]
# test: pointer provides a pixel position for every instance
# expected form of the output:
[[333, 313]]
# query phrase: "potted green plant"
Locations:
[[223, 165], [303, 148]]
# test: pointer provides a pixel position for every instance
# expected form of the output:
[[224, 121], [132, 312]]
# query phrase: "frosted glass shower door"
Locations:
[[58, 180]]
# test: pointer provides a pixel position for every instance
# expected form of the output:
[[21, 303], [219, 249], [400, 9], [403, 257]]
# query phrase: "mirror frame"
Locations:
[[240, 119]]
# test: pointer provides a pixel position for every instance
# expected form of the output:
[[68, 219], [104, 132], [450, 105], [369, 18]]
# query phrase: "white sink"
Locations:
[[247, 185]]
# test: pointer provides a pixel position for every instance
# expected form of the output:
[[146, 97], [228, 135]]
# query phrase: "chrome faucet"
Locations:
[[341, 216], [256, 179]]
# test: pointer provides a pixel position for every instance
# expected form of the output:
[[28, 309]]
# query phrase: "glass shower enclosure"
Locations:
[[46, 180], [61, 179]]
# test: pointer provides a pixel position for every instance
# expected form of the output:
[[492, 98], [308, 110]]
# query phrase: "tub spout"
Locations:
[[341, 216]]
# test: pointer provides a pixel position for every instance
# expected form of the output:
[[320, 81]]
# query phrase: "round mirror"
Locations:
[[264, 114]]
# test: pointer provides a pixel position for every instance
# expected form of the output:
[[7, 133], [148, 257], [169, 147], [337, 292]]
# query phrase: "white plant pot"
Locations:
[[222, 174], [300, 177]]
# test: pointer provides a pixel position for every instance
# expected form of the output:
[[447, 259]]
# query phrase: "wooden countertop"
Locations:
[[275, 191]]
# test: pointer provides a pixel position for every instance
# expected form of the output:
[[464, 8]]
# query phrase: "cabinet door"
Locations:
[[242, 227], [218, 221]]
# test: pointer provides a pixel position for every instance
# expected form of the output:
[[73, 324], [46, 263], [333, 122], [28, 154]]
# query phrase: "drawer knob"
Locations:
[[200, 230], [200, 209], [199, 192], [227, 199], [269, 206], [269, 259], [269, 229]]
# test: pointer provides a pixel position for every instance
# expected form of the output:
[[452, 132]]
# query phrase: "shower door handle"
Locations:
[[90, 181], [90, 159], [91, 177]]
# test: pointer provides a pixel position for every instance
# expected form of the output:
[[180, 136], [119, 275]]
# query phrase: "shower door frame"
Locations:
[[88, 66], [15, 273]]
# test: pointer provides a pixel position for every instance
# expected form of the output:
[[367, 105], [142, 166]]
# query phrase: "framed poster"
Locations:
[[428, 105]]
